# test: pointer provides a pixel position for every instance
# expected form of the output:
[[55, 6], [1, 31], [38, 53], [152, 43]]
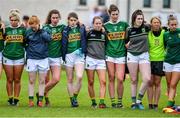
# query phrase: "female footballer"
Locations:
[[115, 55], [54, 50], [2, 29], [37, 57], [73, 49], [95, 61], [157, 53], [13, 56], [138, 57], [172, 57]]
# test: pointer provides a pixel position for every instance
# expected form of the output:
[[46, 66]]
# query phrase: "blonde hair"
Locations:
[[155, 17], [14, 13], [34, 20]]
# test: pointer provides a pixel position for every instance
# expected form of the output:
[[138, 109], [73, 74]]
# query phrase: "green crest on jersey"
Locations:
[[179, 35], [74, 30], [14, 31], [53, 30], [20, 31], [143, 30], [156, 42], [169, 38], [115, 28], [120, 28], [102, 36]]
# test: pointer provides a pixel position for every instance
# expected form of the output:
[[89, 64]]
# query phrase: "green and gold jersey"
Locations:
[[73, 40], [172, 42], [156, 46], [116, 39], [14, 43], [1, 40], [54, 46]]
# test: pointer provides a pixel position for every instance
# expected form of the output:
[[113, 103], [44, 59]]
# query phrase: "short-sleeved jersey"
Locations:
[[74, 38], [1, 40], [156, 46], [54, 46], [172, 43], [14, 40], [116, 39]]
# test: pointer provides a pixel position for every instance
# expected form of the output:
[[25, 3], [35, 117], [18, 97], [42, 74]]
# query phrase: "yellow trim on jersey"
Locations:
[[14, 38], [1, 36], [74, 37], [116, 35], [56, 36]]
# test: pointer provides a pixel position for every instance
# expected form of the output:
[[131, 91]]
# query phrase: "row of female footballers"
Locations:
[[107, 46]]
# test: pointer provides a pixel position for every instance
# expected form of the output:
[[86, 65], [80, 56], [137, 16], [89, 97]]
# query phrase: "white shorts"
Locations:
[[171, 67], [73, 59], [55, 61], [34, 65], [120, 60], [94, 64], [7, 61], [1, 57], [142, 58]]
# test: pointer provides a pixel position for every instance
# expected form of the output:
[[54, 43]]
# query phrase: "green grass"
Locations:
[[60, 103]]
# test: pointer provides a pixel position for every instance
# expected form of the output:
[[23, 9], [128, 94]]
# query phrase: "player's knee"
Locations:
[[157, 84], [90, 82], [146, 79], [111, 78], [56, 80], [41, 81], [134, 81], [10, 81], [120, 80], [17, 81], [173, 85], [150, 83], [31, 82], [79, 78], [70, 80], [103, 82]]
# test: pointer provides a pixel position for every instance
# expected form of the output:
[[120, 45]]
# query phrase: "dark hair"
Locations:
[[72, 14], [171, 17], [25, 17], [135, 14], [112, 7], [48, 19], [97, 17]]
